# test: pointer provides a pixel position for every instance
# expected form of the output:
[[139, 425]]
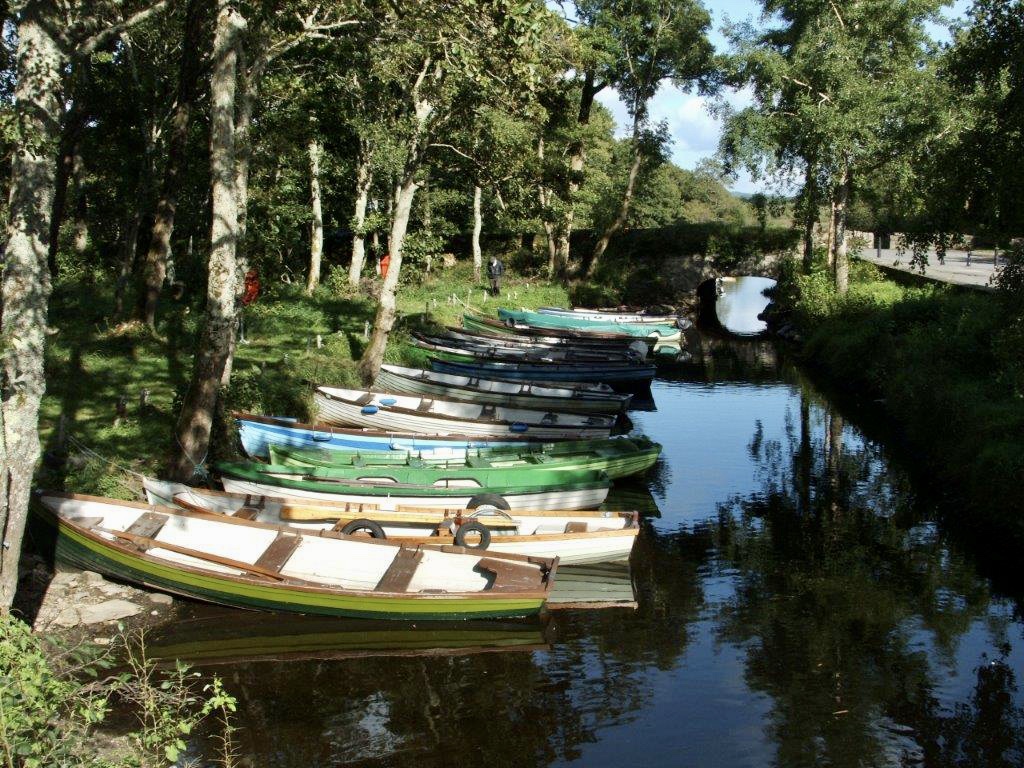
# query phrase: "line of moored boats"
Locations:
[[453, 492]]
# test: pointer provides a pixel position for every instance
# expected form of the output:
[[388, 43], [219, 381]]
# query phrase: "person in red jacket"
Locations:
[[385, 262], [252, 287]]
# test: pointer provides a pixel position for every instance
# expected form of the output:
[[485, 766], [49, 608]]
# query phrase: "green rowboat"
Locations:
[[617, 458], [247, 564], [660, 333]]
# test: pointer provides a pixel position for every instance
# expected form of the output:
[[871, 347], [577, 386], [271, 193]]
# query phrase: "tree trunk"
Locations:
[[478, 223], [810, 218], [373, 356], [215, 342], [841, 261], [70, 158], [627, 199], [364, 181], [544, 197], [26, 278], [155, 270], [577, 157], [830, 254], [316, 233]]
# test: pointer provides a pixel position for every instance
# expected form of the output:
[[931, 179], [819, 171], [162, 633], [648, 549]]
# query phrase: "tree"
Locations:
[[655, 40], [25, 288], [461, 56], [838, 92]]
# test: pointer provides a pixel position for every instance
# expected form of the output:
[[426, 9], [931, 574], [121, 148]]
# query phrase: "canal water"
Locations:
[[798, 606]]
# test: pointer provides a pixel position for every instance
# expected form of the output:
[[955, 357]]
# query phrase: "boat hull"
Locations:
[[631, 375], [658, 332], [78, 548], [259, 433], [375, 414], [579, 498], [494, 392]]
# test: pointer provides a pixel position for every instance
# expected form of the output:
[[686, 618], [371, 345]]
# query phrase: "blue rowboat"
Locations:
[[616, 374], [258, 433], [660, 333]]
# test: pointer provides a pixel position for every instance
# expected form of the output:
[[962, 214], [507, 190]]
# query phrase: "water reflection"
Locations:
[[740, 301], [797, 606]]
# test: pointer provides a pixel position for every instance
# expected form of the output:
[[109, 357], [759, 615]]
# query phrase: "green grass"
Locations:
[[943, 363], [91, 364]]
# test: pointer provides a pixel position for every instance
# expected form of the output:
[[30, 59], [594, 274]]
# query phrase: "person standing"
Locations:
[[495, 269]]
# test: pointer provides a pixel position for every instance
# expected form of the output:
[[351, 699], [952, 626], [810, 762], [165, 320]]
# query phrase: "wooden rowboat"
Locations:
[[615, 457], [576, 538], [552, 490], [461, 349], [249, 564], [512, 327], [515, 340], [508, 393], [628, 375], [259, 432], [616, 316], [352, 407], [660, 333]]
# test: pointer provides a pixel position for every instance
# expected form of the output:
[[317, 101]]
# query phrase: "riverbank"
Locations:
[[943, 366], [113, 389]]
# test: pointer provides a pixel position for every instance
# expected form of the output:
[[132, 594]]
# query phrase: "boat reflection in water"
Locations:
[[209, 635]]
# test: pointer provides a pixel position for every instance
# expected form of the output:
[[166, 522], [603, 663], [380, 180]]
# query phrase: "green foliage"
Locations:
[[55, 698], [945, 364], [46, 711]]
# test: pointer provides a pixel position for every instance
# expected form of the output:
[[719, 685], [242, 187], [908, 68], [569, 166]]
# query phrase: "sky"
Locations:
[[694, 130]]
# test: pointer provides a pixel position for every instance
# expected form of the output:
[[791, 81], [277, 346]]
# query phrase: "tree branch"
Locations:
[[91, 44]]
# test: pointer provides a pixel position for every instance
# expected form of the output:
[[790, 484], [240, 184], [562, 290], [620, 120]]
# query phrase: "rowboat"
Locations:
[[658, 332], [512, 327], [615, 457], [510, 394], [516, 340], [614, 316], [353, 407], [566, 490], [621, 375], [456, 349], [576, 538], [250, 564], [259, 432]]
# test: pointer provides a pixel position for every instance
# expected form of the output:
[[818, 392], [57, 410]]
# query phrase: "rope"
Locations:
[[89, 451]]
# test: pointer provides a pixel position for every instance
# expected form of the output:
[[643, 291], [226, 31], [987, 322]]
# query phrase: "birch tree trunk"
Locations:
[[373, 356], [563, 231], [316, 234], [478, 224], [364, 181], [627, 200], [544, 196], [155, 269], [25, 287], [841, 261], [215, 342], [810, 217]]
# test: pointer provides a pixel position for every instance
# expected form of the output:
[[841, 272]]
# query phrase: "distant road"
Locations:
[[956, 270]]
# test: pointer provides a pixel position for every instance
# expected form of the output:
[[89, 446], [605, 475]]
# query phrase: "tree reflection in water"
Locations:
[[814, 617], [833, 594]]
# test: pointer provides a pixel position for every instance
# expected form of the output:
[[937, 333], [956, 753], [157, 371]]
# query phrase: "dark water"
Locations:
[[797, 608]]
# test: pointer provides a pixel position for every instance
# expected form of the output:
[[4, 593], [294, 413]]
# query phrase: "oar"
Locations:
[[226, 561]]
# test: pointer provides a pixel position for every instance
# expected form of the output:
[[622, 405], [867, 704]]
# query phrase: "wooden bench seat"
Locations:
[[399, 574], [147, 526], [277, 554]]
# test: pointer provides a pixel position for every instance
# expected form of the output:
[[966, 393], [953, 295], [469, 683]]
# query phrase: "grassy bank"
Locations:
[[944, 365], [92, 364]]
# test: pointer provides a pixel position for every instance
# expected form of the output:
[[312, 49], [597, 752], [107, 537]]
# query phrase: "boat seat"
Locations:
[[256, 502], [147, 526], [399, 574], [509, 575], [246, 513], [575, 527], [487, 412], [478, 462], [425, 405], [366, 399], [276, 555]]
